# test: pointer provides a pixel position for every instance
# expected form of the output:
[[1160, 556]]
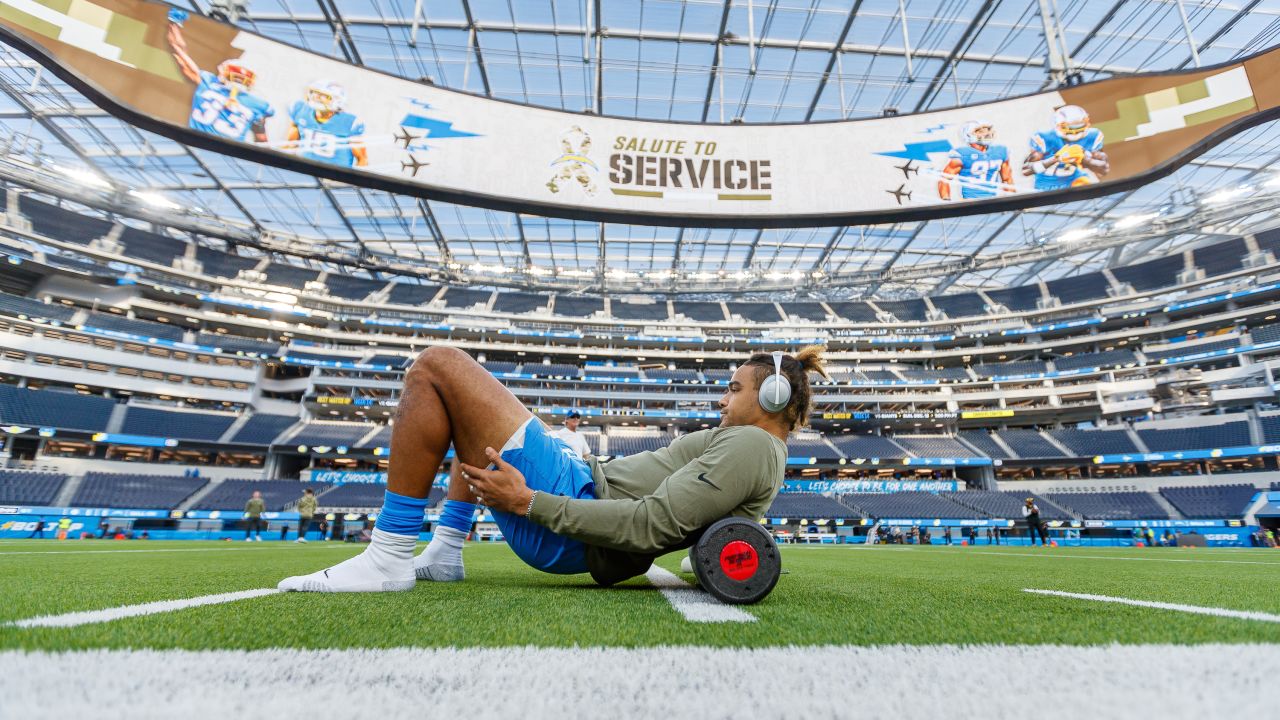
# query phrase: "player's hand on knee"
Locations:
[[502, 488]]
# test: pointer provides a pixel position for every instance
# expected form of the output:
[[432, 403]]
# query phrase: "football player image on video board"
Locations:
[[223, 103], [1069, 155], [979, 167], [322, 130]]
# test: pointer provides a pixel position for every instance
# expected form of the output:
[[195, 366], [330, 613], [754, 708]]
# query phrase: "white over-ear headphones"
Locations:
[[775, 391]]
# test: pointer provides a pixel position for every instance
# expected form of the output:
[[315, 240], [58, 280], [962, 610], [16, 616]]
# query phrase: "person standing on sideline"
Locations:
[[253, 517], [570, 435], [306, 510], [1031, 512]]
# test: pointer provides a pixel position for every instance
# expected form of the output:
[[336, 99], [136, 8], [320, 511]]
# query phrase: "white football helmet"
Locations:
[[978, 132], [1071, 122], [326, 96]]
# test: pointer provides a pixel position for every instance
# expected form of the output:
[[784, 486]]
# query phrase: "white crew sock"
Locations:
[[442, 560], [386, 565]]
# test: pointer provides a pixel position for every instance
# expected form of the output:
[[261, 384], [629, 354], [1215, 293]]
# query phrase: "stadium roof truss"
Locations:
[[695, 60]]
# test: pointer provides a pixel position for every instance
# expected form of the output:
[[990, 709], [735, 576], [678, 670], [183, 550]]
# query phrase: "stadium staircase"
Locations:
[[116, 421], [234, 427], [197, 496], [1041, 498], [1163, 502], [1066, 451], [1250, 513], [68, 491], [1136, 439], [364, 439], [995, 438]]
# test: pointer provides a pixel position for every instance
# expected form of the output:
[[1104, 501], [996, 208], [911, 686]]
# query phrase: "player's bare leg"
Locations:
[[448, 398]]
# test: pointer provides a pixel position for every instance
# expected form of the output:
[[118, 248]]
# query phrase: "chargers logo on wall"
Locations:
[[573, 168]]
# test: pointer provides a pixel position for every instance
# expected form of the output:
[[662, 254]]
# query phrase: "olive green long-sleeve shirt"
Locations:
[[255, 507], [307, 506], [651, 502]]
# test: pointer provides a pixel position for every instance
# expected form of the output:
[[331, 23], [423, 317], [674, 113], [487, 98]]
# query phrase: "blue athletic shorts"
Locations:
[[549, 466]]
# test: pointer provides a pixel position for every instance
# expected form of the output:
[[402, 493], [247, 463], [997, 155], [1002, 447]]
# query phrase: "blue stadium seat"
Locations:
[[403, 293], [461, 297], [1180, 350], [699, 311], [291, 276], [1012, 369], [983, 441], [1088, 443], [263, 428], [216, 263], [811, 311], [234, 345], [624, 441], [140, 328], [175, 424], [1112, 505], [1204, 437], [580, 307], [29, 308], [354, 495], [1101, 360], [54, 408], [27, 487], [1029, 444], [331, 434], [350, 287], [933, 446], [277, 494], [808, 446], [1005, 505], [808, 506], [908, 505], [1017, 299], [151, 247], [519, 303], [110, 490], [1213, 501], [1151, 275], [963, 305], [867, 446], [1090, 286]]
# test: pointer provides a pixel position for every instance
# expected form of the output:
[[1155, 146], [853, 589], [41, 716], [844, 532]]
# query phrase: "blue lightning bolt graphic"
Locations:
[[919, 150]]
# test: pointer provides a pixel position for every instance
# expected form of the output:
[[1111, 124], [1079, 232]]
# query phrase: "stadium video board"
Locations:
[[218, 87]]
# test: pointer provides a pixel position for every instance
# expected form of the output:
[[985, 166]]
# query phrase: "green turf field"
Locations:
[[829, 595]]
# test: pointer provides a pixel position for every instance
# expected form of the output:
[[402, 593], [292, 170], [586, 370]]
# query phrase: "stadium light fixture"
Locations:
[[154, 200], [1129, 221], [1229, 194], [85, 177], [1077, 234]]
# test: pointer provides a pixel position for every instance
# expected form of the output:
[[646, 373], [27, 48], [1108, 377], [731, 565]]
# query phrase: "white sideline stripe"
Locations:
[[1069, 556], [235, 548], [1196, 609], [984, 681], [694, 604], [88, 617]]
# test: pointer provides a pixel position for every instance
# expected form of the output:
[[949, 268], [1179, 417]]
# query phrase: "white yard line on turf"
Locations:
[[88, 617], [1068, 556], [234, 548], [694, 604], [1111, 681], [1195, 609]]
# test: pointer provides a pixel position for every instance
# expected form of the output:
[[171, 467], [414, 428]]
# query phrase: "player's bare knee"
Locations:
[[435, 363]]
